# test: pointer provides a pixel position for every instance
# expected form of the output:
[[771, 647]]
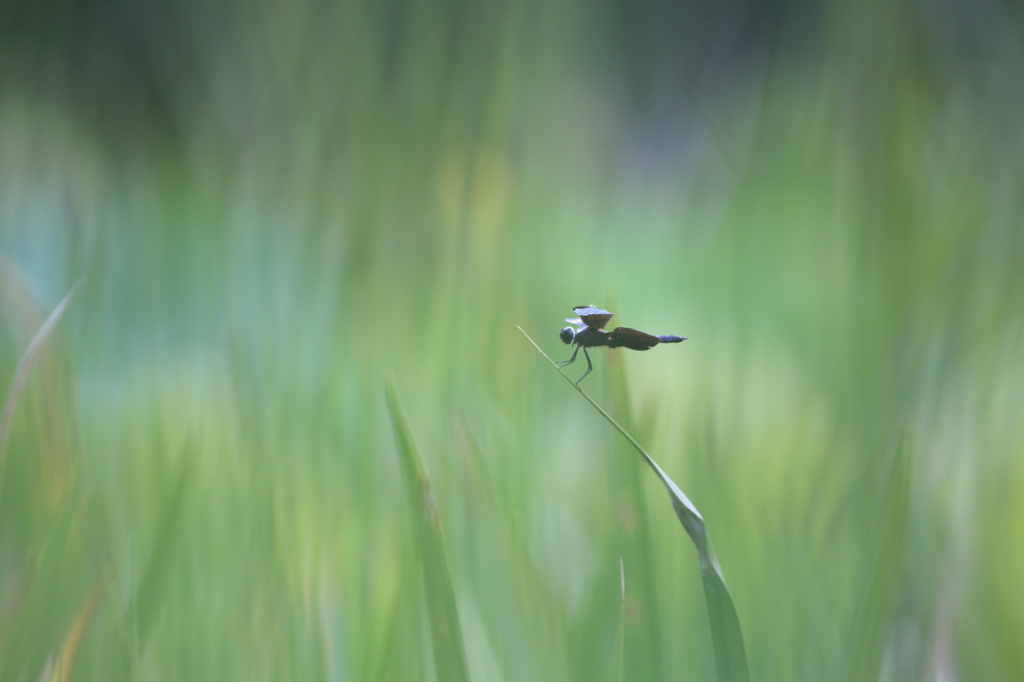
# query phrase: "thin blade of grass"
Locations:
[[648, 652], [39, 617], [392, 660], [876, 609], [148, 597], [446, 634], [21, 376], [726, 635], [620, 653], [64, 665]]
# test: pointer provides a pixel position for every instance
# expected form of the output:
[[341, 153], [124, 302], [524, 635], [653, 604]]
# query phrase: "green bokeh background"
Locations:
[[274, 205]]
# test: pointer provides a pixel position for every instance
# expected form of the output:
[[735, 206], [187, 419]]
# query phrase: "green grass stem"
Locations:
[[21, 376], [445, 631], [620, 645], [726, 635]]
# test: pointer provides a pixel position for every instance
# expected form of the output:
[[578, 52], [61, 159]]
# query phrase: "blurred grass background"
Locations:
[[275, 204]]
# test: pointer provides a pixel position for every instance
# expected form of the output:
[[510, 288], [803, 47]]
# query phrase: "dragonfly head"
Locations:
[[567, 335]]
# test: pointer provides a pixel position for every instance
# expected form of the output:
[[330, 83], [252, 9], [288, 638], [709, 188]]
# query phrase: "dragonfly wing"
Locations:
[[624, 337], [593, 317], [576, 321]]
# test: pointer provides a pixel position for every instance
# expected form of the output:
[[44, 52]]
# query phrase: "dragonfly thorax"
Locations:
[[589, 337]]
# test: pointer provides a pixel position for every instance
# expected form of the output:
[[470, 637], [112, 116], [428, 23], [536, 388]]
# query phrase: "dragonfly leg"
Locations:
[[590, 366], [563, 363]]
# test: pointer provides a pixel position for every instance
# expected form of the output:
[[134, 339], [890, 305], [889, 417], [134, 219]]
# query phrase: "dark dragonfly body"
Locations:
[[592, 335]]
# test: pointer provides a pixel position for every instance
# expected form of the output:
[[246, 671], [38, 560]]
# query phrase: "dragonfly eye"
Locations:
[[567, 334]]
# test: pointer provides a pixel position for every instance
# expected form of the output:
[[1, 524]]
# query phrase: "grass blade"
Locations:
[[620, 653], [726, 636], [21, 375], [150, 594], [445, 632], [649, 650], [876, 608], [64, 664]]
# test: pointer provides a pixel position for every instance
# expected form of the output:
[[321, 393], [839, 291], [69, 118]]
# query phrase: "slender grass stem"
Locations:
[[21, 376], [620, 649], [726, 636], [442, 611]]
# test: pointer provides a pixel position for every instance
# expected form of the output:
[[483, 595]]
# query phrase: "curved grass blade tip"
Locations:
[[21, 374], [726, 636], [442, 613]]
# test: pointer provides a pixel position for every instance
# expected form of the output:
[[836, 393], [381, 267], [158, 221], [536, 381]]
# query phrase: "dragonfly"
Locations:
[[591, 334]]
